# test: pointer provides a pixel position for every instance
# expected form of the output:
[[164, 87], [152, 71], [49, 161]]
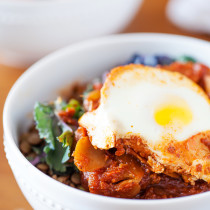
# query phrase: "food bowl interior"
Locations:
[[82, 62]]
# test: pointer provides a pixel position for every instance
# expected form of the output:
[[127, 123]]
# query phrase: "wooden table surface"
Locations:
[[150, 18]]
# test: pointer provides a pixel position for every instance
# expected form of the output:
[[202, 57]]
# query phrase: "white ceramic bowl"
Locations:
[[196, 19], [30, 29], [83, 61]]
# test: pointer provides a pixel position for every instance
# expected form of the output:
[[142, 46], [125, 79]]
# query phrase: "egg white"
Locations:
[[129, 99]]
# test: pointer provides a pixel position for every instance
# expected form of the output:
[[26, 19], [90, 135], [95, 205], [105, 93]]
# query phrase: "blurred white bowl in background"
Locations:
[[191, 15], [31, 29]]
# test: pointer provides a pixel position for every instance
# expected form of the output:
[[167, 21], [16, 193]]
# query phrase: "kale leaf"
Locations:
[[66, 138], [43, 116], [48, 126], [54, 158]]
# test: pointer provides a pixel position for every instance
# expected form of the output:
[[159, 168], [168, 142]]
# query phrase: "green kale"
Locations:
[[54, 158], [66, 138], [185, 59], [48, 126], [43, 116]]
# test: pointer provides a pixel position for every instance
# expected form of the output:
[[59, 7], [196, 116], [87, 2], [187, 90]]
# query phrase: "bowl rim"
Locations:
[[130, 37]]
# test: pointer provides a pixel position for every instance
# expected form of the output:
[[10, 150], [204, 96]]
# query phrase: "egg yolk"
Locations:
[[172, 114]]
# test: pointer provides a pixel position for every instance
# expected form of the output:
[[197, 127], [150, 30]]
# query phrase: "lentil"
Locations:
[[25, 147], [34, 139], [42, 167], [75, 178]]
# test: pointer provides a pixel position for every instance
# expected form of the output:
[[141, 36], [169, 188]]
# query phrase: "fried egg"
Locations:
[[162, 108]]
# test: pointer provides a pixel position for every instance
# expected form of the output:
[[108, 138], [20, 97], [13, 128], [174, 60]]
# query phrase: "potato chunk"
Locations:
[[87, 158]]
